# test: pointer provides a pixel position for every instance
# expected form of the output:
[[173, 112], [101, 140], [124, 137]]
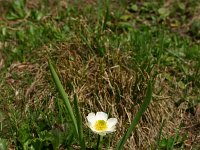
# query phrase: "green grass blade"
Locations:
[[63, 94], [159, 135], [107, 14], [135, 121], [79, 123], [175, 139], [86, 41]]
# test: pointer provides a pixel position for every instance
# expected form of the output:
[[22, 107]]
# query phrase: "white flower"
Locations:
[[100, 123]]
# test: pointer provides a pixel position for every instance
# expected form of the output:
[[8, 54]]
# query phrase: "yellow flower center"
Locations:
[[100, 125]]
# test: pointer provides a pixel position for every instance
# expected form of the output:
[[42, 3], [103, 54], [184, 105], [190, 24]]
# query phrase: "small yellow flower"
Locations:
[[100, 123]]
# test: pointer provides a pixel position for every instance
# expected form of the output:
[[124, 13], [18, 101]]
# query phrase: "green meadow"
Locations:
[[138, 61]]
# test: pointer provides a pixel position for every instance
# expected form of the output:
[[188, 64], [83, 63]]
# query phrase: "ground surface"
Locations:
[[106, 52]]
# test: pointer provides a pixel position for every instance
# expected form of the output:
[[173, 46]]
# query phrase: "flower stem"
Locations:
[[99, 142]]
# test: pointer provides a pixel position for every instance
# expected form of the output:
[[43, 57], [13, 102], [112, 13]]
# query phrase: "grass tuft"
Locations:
[[107, 53]]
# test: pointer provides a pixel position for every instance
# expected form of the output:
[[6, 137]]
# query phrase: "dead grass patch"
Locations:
[[105, 84], [102, 84]]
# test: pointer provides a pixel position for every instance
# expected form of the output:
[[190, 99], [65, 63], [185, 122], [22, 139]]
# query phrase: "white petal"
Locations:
[[111, 122], [112, 129], [101, 116], [91, 118], [91, 127]]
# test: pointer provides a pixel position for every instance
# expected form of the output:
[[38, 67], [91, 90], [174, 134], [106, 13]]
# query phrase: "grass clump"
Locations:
[[106, 53]]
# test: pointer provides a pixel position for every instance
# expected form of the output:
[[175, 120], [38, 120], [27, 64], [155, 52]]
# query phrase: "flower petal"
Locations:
[[91, 118], [112, 129], [111, 122], [101, 116]]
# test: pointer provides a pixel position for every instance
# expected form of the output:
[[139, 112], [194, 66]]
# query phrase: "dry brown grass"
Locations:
[[102, 84], [105, 84]]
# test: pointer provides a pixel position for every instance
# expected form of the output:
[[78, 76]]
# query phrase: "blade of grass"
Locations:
[[138, 115], [63, 94], [175, 139], [86, 41], [79, 123], [107, 14], [159, 135]]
